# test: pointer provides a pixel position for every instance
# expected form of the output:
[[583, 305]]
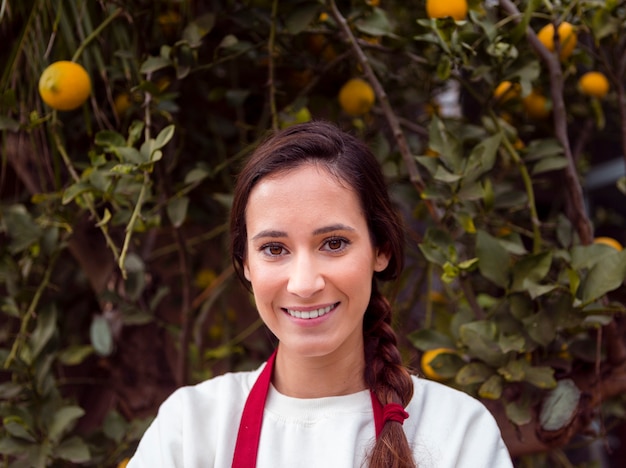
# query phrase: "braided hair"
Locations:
[[350, 160]]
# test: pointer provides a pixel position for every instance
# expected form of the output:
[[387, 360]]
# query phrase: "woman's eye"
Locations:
[[273, 250], [336, 244]]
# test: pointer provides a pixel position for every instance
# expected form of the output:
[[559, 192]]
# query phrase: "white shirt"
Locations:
[[197, 427]]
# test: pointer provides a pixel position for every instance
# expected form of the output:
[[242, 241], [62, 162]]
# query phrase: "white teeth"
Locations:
[[309, 314]]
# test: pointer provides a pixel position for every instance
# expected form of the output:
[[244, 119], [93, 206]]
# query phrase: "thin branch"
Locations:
[[270, 67], [577, 207], [95, 34], [392, 120]]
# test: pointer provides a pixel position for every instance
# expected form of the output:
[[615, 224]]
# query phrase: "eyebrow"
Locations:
[[323, 230]]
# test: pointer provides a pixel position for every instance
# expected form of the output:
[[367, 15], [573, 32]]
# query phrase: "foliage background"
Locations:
[[116, 283]]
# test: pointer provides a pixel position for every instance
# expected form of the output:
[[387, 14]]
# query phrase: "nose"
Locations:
[[305, 276]]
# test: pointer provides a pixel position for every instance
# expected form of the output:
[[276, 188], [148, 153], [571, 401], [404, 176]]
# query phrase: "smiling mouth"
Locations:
[[311, 314]]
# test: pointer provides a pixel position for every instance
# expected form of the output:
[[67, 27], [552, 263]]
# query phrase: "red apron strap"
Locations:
[[247, 445], [379, 420], [249, 435]]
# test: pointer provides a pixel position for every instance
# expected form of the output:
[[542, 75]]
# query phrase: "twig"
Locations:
[[95, 34], [403, 146], [270, 67], [21, 337], [577, 207]]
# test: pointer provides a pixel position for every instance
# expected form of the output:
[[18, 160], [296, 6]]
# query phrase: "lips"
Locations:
[[311, 314]]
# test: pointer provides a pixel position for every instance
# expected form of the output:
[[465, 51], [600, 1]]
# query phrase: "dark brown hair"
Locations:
[[351, 161]]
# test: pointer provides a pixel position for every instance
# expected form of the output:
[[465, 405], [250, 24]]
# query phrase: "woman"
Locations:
[[313, 230]]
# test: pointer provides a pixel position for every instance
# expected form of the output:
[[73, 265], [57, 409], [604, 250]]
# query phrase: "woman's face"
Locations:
[[310, 260]]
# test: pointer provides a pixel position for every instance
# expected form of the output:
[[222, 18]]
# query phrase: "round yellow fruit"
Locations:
[[507, 90], [457, 9], [426, 362], [567, 38], [608, 241], [536, 105], [594, 84], [122, 103], [356, 97], [64, 85]]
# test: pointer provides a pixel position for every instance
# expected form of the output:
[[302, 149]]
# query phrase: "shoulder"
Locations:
[[229, 387], [452, 427], [447, 405]]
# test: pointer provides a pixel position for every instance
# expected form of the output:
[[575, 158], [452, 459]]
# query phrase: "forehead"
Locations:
[[305, 190]]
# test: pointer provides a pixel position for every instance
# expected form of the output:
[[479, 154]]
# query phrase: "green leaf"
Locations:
[[491, 388], [114, 426], [109, 139], [18, 428], [163, 137], [197, 29], [519, 412], [532, 268], [607, 275], [549, 164], [75, 190], [480, 337], [300, 18], [63, 419], [45, 328], [483, 157], [540, 376], [75, 354], [560, 406], [177, 210], [540, 327], [446, 144], [375, 24], [436, 246], [74, 450], [587, 256], [21, 227], [514, 371], [425, 339], [493, 259], [101, 337], [10, 390], [152, 64], [134, 132], [473, 373], [7, 123], [197, 174], [130, 155], [509, 343]]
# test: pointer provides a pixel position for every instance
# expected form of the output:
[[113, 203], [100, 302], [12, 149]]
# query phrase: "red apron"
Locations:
[[247, 445]]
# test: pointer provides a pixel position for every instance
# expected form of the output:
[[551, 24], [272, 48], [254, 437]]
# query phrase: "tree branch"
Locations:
[[577, 206]]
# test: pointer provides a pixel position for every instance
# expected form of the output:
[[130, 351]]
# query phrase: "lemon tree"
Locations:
[[491, 141]]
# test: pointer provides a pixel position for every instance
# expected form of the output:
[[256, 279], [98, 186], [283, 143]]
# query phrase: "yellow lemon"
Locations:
[[567, 38], [536, 105], [427, 359], [122, 103], [356, 97], [457, 9], [507, 90], [594, 84], [123, 463], [64, 85], [608, 241]]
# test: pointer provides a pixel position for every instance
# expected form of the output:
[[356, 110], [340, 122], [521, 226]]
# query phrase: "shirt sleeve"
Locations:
[[161, 445]]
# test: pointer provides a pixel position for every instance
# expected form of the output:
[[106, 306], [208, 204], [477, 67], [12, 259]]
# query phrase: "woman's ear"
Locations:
[[246, 271], [382, 260]]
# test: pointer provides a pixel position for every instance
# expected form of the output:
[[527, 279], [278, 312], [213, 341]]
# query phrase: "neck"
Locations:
[[315, 377]]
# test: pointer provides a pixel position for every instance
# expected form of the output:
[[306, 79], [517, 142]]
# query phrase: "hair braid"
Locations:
[[389, 380]]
